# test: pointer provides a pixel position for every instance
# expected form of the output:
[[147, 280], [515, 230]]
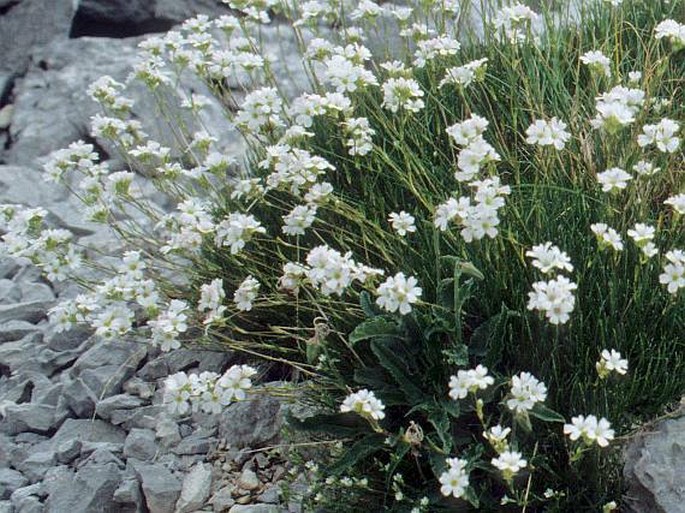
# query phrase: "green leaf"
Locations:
[[523, 420], [458, 355], [393, 363], [373, 328], [441, 422], [540, 411], [363, 448], [367, 304]]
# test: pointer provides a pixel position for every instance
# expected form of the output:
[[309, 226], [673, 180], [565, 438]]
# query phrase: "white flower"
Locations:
[[468, 131], [177, 393], [455, 480], [299, 219], [611, 361], [212, 296], [526, 390], [515, 21], [617, 108], [598, 61], [674, 271], [677, 202], [402, 93], [234, 382], [643, 236], [663, 135], [644, 168], [246, 293], [590, 429], [402, 223], [450, 210], [554, 297], [365, 404], [634, 77], [673, 31], [398, 293], [469, 381], [236, 230], [547, 257], [607, 237], [497, 436], [509, 463], [613, 179], [464, 75], [548, 133]]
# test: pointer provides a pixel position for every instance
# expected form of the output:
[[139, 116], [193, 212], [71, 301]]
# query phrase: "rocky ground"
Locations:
[[82, 426]]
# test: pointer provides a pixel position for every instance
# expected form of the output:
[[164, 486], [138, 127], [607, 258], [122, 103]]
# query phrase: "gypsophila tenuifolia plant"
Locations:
[[461, 224]]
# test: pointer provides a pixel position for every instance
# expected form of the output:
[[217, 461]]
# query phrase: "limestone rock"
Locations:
[[655, 469], [160, 487], [10, 480], [251, 423], [140, 444], [195, 489]]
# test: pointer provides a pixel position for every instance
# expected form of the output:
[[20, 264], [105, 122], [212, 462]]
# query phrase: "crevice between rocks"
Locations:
[[84, 25], [4, 9]]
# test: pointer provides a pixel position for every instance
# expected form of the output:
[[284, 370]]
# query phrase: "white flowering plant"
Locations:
[[462, 225]]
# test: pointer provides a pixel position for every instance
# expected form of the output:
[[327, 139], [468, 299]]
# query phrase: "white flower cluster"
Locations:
[[674, 271], [553, 297], [590, 430], [440, 46], [360, 136], [208, 391], [402, 93], [617, 108], [597, 61], [663, 135], [464, 76], [329, 271], [27, 236], [476, 152], [455, 480], [260, 111], [293, 168], [212, 296], [611, 361], [107, 92], [188, 225], [548, 133], [548, 257], [365, 404], [246, 294], [398, 293], [607, 236], [643, 236], [236, 230], [516, 21], [672, 31], [469, 381], [526, 390]]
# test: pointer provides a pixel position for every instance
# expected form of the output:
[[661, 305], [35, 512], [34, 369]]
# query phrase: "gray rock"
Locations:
[[145, 417], [222, 499], [10, 292], [29, 24], [108, 364], [67, 340], [253, 423], [129, 496], [195, 489], [85, 431], [90, 491], [37, 464], [80, 398], [16, 330], [654, 463], [30, 311], [6, 507], [136, 386], [203, 360], [196, 444], [27, 499], [105, 407], [167, 432], [29, 505], [271, 495], [160, 487], [37, 418], [56, 478], [68, 451], [257, 508], [22, 354], [10, 480], [102, 452], [140, 444], [36, 291]]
